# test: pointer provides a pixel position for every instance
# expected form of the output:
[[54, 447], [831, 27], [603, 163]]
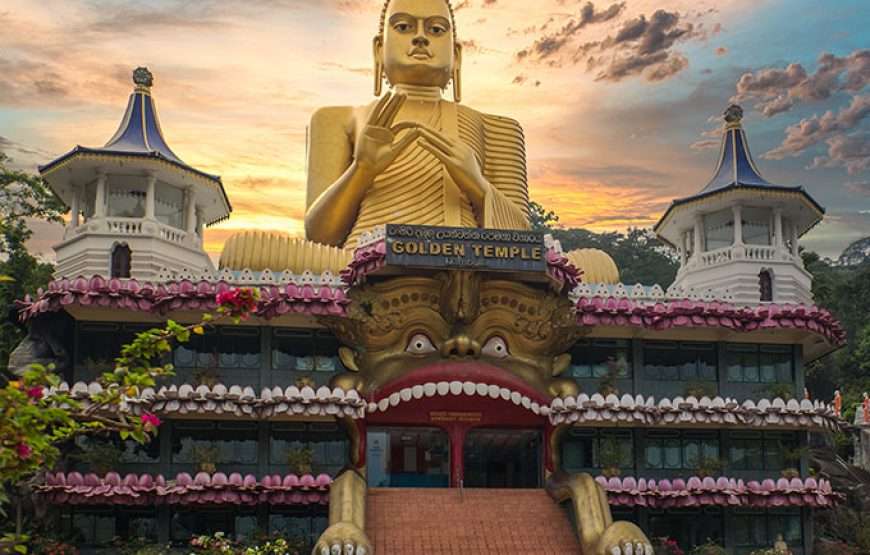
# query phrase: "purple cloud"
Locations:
[[778, 90]]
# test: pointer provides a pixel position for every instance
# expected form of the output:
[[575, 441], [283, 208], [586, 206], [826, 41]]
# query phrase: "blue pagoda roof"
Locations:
[[139, 133], [735, 169]]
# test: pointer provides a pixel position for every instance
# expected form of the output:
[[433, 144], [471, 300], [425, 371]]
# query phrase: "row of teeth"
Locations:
[[443, 389]]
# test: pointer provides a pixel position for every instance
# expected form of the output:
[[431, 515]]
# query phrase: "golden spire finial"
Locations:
[[733, 115], [143, 79]]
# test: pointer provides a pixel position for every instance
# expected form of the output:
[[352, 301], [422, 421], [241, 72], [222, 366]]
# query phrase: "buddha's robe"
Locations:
[[416, 188]]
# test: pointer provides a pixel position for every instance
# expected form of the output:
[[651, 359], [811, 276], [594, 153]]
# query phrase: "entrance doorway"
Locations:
[[502, 458], [408, 457]]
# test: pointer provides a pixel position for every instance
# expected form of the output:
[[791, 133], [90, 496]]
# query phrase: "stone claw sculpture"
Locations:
[[599, 535], [346, 532], [343, 539]]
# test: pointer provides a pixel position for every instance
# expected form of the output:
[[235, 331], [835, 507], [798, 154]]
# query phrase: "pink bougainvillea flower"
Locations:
[[24, 451], [239, 302], [35, 393], [150, 420]]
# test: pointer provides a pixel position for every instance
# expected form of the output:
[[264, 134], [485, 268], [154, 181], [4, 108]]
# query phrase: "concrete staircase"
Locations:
[[406, 521]]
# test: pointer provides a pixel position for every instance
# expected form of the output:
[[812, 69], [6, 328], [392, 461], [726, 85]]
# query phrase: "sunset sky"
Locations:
[[620, 101]]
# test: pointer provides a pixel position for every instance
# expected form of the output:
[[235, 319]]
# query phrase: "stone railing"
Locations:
[[716, 257], [124, 226], [762, 253], [172, 234], [135, 227], [757, 253]]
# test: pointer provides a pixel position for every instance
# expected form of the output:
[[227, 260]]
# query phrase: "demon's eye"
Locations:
[[420, 344], [495, 347]]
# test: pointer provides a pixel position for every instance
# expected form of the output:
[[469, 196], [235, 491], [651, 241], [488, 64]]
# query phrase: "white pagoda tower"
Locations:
[[740, 232], [136, 208]]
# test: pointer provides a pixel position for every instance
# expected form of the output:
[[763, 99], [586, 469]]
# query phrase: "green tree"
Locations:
[[34, 424], [640, 256], [540, 218], [23, 197]]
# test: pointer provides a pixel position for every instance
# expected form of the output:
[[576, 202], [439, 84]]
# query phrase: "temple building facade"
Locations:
[[436, 385]]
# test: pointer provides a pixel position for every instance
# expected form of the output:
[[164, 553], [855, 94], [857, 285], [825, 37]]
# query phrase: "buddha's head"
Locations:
[[417, 45]]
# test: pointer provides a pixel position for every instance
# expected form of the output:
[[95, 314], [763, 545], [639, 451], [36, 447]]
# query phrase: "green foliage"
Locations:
[[709, 548], [220, 544], [33, 424], [139, 546], [699, 389], [782, 391], [540, 218], [845, 291], [845, 525], [610, 457], [217, 544], [100, 456], [279, 546], [51, 546], [300, 460], [639, 254], [22, 197], [709, 466]]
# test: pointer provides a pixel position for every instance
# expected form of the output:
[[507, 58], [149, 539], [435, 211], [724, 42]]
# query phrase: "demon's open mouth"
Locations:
[[454, 378]]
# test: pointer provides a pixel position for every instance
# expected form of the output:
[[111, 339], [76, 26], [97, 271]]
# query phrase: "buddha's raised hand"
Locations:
[[377, 145], [460, 161]]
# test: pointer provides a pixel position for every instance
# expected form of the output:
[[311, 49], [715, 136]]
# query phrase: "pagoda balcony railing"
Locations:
[[134, 227], [124, 226], [755, 253]]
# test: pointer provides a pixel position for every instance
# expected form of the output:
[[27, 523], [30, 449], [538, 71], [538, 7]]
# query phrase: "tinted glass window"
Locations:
[[600, 358], [304, 351], [596, 449], [675, 450], [679, 361], [222, 348], [763, 451], [218, 443], [759, 363], [294, 446]]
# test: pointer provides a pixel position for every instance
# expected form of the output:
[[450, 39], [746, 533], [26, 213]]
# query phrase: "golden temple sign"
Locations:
[[465, 248]]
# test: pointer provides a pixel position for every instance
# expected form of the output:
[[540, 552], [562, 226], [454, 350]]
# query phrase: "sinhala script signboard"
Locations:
[[465, 248]]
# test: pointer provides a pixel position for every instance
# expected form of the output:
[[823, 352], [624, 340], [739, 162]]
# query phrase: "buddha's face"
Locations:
[[418, 46]]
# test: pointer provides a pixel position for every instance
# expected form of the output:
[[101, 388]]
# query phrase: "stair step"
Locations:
[[406, 521]]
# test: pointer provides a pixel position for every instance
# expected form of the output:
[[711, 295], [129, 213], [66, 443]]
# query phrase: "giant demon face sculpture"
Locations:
[[456, 321]]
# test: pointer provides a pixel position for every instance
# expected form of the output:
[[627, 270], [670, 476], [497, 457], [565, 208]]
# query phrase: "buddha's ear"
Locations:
[[378, 56], [346, 355], [457, 73]]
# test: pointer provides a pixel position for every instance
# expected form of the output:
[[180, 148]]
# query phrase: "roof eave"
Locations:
[[735, 187], [47, 169]]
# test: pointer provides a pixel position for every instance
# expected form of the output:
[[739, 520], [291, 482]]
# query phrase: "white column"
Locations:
[[100, 201], [190, 218], [738, 225], [794, 239], [199, 219], [74, 208], [699, 228], [151, 198], [778, 239]]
